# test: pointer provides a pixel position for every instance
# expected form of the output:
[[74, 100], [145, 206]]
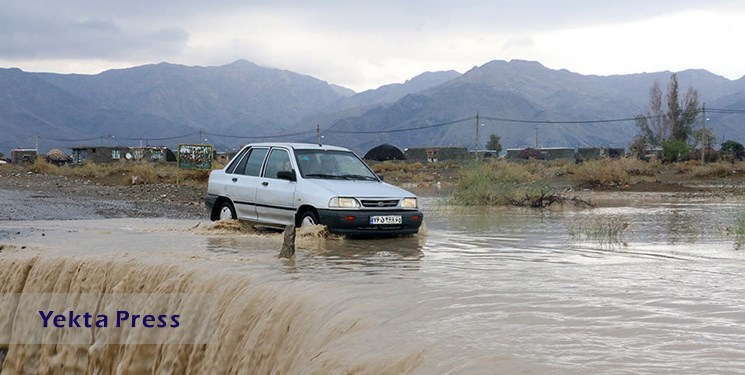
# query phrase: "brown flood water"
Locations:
[[483, 290]]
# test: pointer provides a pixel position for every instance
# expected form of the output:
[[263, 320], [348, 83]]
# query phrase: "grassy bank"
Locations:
[[500, 182], [486, 182], [121, 173]]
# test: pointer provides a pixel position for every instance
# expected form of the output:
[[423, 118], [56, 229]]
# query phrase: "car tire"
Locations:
[[227, 211], [309, 218]]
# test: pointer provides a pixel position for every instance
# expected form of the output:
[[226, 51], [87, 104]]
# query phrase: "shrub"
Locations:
[[89, 170], [720, 169], [42, 166], [636, 167], [675, 151], [599, 173], [495, 183], [732, 151], [143, 173]]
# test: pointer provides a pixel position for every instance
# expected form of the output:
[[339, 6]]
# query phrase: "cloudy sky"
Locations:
[[364, 44]]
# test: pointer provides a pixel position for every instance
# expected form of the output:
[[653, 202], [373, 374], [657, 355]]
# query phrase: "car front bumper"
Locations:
[[357, 222]]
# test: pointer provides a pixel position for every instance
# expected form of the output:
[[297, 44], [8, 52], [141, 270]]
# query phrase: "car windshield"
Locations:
[[328, 164]]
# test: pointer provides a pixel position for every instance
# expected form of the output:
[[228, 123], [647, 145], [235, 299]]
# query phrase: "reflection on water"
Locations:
[[487, 290]]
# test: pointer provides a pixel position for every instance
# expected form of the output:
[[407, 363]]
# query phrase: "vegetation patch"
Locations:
[[600, 173], [601, 230], [494, 183]]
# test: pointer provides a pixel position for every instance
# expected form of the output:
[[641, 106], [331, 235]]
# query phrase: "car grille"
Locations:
[[379, 203]]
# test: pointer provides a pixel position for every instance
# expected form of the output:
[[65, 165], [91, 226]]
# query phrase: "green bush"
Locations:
[[732, 151], [675, 151], [496, 183]]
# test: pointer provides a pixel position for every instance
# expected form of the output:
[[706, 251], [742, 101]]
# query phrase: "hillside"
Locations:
[[527, 90], [158, 103]]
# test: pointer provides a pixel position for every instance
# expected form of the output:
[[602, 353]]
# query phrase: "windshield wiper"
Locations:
[[359, 177], [321, 175]]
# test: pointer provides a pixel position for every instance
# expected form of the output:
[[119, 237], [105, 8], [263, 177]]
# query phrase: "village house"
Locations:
[[112, 154], [434, 154], [23, 155], [565, 153]]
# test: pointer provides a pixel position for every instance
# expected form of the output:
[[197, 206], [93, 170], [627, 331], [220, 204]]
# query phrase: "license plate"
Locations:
[[390, 219]]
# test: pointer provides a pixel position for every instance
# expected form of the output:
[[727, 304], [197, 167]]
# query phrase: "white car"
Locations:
[[278, 184]]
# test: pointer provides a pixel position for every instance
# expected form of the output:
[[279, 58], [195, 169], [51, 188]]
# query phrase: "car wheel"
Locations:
[[308, 219], [227, 211]]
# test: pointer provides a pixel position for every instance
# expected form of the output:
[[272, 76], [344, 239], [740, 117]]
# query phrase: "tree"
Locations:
[[638, 147], [494, 144], [669, 119], [732, 151], [675, 151]]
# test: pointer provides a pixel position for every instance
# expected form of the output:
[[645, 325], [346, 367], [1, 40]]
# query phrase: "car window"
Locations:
[[238, 162], [331, 164], [254, 161], [279, 160]]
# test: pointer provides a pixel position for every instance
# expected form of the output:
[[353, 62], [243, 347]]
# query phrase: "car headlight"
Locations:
[[339, 202], [408, 203]]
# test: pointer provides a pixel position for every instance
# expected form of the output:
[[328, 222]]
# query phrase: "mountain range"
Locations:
[[239, 103]]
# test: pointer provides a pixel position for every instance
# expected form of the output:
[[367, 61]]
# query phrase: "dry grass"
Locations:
[[41, 166], [124, 172], [719, 169], [497, 183], [142, 173], [416, 172], [599, 173]]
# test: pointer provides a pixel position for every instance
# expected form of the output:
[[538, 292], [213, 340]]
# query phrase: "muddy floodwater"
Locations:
[[647, 284]]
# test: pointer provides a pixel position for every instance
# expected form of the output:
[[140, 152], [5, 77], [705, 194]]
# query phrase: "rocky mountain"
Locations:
[[30, 107], [157, 103], [525, 90], [238, 98], [237, 103]]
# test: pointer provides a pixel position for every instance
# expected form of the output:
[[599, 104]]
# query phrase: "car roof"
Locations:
[[299, 146]]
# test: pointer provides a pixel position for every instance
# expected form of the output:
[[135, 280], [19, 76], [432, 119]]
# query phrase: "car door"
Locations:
[[274, 196], [245, 181]]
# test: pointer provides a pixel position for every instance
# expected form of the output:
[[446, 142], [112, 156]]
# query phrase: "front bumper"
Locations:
[[357, 222]]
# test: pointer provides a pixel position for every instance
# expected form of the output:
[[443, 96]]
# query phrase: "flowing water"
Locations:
[[644, 285]]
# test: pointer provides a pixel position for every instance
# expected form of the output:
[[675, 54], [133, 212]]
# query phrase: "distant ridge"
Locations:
[[247, 100]]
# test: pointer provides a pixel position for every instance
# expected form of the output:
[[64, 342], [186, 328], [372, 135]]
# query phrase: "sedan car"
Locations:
[[278, 184]]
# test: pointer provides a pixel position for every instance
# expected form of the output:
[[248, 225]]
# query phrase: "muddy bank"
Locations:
[[34, 196]]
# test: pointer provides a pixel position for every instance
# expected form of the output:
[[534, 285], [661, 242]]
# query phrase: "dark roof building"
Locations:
[[385, 152]]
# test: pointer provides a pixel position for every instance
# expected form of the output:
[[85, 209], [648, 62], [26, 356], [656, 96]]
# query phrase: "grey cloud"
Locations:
[[29, 35], [159, 30]]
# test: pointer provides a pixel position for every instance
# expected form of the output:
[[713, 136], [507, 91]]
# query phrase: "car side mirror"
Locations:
[[287, 175], [380, 176]]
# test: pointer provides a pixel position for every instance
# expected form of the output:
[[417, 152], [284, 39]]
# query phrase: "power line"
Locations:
[[259, 136], [70, 140], [401, 130], [577, 122], [724, 110], [156, 139], [331, 130]]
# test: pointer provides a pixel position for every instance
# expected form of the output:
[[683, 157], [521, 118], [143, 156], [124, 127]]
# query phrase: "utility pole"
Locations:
[[536, 137], [37, 142], [201, 136], [318, 134], [476, 150], [704, 138]]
